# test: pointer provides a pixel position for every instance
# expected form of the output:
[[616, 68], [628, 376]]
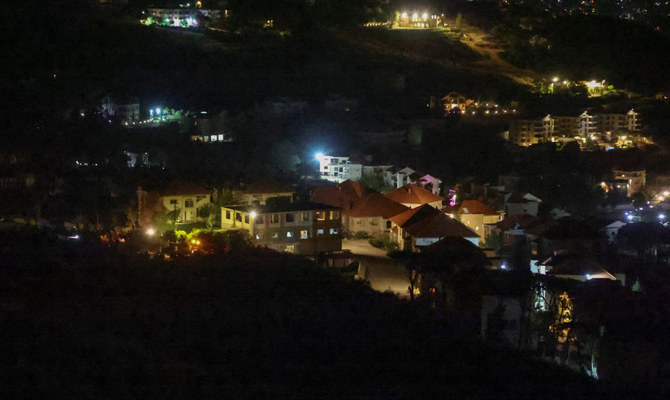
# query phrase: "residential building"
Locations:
[[454, 101], [371, 214], [611, 230], [397, 177], [419, 227], [479, 217], [577, 267], [338, 169], [413, 196], [587, 125], [521, 203], [525, 132], [418, 20], [128, 111], [186, 198], [343, 195], [566, 126], [259, 193], [304, 229], [630, 181]]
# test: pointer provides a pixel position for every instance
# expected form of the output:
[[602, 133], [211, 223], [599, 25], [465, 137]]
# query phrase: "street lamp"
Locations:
[[150, 231]]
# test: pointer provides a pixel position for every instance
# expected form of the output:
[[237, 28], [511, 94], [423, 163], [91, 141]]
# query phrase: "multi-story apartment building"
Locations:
[[562, 128], [619, 123], [526, 132], [338, 169], [304, 229], [186, 199], [587, 125]]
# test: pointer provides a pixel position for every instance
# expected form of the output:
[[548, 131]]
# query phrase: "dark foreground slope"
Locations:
[[242, 325]]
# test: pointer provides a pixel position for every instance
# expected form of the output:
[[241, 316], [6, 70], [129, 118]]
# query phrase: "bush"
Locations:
[[361, 235], [383, 242]]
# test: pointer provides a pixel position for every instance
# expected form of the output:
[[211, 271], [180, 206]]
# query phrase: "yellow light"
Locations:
[[425, 16], [555, 79], [150, 231], [666, 193], [404, 15], [193, 241], [415, 16], [253, 214]]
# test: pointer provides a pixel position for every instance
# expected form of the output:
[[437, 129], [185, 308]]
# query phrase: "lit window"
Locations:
[[333, 231], [220, 138], [304, 235], [275, 235], [319, 231], [258, 237], [289, 234], [320, 216], [305, 216]]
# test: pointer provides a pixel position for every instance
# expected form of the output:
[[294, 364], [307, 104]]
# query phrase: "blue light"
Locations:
[[319, 156]]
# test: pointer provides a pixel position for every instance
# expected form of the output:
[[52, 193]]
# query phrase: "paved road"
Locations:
[[383, 272]]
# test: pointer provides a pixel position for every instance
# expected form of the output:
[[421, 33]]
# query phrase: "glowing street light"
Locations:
[[253, 214], [158, 111], [150, 232], [319, 156]]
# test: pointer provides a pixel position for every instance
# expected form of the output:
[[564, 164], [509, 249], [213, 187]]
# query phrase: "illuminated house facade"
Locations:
[[525, 132], [186, 199], [479, 217], [419, 20], [630, 181], [306, 229], [338, 169]]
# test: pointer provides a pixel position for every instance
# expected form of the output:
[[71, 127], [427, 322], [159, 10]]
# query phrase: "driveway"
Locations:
[[383, 272]]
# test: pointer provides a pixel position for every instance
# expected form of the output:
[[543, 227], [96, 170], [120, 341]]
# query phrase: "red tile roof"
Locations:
[[375, 205], [185, 189], [475, 207], [426, 221], [413, 194], [342, 195]]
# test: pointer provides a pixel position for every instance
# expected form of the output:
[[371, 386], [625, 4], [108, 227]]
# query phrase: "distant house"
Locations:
[[575, 266], [456, 101], [629, 181], [186, 198], [260, 193], [413, 196], [521, 203], [422, 226], [611, 230], [338, 169], [305, 229], [431, 183], [371, 214], [398, 177], [479, 217]]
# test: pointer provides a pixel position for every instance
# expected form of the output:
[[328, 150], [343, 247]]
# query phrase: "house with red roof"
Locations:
[[479, 217], [186, 198], [371, 214], [342, 195], [422, 226], [413, 196]]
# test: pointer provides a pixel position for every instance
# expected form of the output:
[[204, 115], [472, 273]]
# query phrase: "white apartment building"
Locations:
[[338, 169]]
